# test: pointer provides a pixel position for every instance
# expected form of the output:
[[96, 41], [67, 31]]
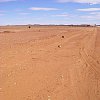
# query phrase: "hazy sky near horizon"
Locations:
[[49, 12]]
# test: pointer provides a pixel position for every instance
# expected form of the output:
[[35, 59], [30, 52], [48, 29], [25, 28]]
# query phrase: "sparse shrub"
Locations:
[[29, 27], [59, 46], [63, 37], [6, 31]]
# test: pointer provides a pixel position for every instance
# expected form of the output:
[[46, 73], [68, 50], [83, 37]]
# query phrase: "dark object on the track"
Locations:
[[29, 27], [59, 46], [63, 37]]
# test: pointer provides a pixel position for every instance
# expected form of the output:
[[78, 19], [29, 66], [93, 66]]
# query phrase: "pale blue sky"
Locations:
[[49, 12]]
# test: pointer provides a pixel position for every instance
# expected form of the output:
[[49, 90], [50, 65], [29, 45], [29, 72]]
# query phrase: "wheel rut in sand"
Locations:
[[87, 51]]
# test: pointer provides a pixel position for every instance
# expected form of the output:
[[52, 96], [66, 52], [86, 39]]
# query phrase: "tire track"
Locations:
[[87, 51]]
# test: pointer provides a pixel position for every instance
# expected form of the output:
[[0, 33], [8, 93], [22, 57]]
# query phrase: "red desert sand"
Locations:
[[49, 63]]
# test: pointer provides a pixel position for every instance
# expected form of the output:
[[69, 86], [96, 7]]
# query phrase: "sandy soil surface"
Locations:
[[40, 64]]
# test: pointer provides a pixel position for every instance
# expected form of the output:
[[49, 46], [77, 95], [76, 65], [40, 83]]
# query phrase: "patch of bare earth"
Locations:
[[49, 63]]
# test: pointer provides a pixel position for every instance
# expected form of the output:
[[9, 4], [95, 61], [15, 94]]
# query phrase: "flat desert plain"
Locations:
[[49, 63]]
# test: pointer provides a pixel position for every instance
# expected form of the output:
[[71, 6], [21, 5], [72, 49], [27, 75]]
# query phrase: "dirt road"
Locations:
[[38, 64]]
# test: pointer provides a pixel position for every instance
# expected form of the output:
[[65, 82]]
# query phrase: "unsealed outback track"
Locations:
[[38, 64], [87, 51]]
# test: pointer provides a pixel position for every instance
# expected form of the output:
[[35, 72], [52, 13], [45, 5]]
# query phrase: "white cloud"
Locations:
[[87, 17], [43, 9], [18, 10], [81, 1], [22, 13], [1, 14], [1, 11], [95, 13], [61, 15], [6, 0], [89, 9], [91, 17]]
